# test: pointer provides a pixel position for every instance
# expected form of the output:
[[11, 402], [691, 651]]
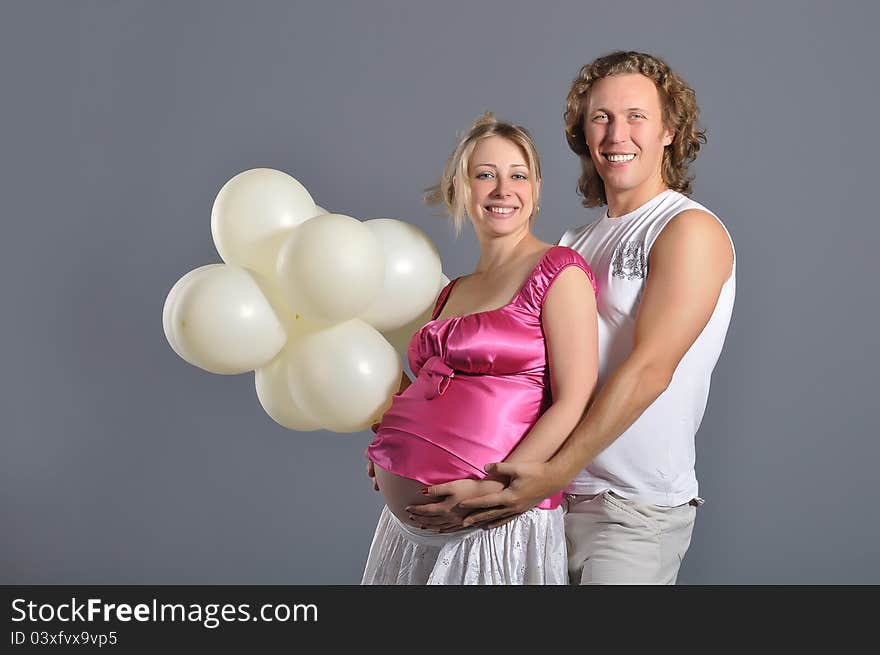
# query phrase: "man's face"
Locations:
[[623, 125]]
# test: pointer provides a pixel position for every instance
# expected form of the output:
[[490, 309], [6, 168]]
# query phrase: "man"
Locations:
[[665, 268]]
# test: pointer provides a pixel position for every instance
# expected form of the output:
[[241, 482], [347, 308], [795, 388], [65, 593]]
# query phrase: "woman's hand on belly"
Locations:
[[445, 515]]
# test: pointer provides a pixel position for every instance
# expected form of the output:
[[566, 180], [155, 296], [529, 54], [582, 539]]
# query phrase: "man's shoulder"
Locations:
[[688, 215], [683, 215], [681, 205], [695, 231]]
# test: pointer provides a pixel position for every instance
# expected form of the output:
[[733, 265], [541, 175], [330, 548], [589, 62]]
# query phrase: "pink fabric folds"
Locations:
[[482, 383]]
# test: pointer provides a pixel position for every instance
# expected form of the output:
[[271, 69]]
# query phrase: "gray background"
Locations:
[[121, 121]]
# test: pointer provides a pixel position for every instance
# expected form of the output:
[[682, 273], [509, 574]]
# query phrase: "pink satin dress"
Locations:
[[482, 383]]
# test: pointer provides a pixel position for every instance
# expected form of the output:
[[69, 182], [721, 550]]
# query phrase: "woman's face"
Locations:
[[501, 186]]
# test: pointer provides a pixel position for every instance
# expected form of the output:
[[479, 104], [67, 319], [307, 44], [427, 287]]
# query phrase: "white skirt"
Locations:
[[530, 550]]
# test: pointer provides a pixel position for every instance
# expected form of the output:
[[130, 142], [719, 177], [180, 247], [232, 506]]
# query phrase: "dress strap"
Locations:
[[554, 261]]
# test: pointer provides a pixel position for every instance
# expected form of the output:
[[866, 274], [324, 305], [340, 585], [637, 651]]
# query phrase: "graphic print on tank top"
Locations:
[[629, 261]]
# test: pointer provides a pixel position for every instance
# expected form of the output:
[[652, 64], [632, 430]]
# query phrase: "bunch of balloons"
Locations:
[[317, 304]]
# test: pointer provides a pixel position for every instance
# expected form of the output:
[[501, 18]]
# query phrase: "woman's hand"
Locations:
[[371, 473], [445, 515]]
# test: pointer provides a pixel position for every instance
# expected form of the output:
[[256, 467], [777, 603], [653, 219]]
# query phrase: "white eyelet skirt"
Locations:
[[530, 550]]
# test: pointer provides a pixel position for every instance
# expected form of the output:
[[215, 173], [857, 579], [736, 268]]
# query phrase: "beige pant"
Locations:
[[612, 540]]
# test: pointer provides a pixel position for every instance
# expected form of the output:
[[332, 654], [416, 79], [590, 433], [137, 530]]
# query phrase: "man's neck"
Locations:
[[624, 202]]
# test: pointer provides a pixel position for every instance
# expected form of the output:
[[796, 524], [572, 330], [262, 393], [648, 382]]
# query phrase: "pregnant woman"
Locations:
[[503, 370]]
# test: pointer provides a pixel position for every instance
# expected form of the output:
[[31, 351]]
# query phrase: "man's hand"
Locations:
[[445, 515], [530, 483]]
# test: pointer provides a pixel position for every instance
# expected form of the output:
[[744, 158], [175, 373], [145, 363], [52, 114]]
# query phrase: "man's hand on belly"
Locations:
[[445, 515], [529, 484]]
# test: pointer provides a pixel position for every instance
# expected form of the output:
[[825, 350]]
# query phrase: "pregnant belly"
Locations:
[[406, 464], [477, 420], [399, 492]]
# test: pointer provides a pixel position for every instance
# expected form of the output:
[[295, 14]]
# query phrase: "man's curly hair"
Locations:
[[680, 114]]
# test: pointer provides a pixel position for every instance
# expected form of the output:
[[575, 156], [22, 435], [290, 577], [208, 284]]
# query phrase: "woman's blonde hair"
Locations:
[[453, 189], [680, 115]]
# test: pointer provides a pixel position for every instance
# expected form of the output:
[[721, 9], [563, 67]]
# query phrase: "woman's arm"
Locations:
[[571, 330]]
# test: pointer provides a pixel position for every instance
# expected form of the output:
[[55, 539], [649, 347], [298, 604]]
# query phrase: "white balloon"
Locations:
[[343, 376], [293, 322], [221, 322], [171, 302], [401, 337], [254, 212], [412, 268], [330, 268], [274, 395], [272, 291]]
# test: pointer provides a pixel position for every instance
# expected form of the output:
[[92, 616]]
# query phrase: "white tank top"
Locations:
[[653, 460]]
